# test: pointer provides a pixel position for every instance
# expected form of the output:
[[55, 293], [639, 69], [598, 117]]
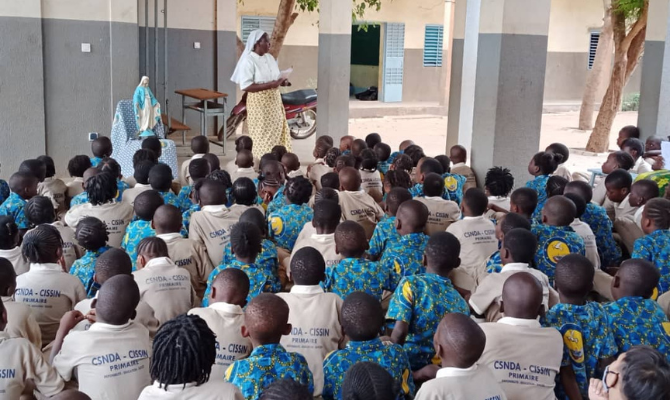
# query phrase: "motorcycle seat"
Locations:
[[299, 97]]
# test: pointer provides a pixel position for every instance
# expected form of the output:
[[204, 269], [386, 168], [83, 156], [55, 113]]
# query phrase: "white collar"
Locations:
[[217, 208], [142, 186], [250, 169], [160, 262], [307, 289], [16, 251], [460, 164], [78, 179], [319, 160], [169, 236], [624, 202], [448, 372], [473, 218], [177, 388], [323, 238], [103, 327], [515, 267], [196, 156], [7, 299], [433, 198], [529, 323], [354, 191], [226, 307], [498, 198], [295, 173], [45, 267]]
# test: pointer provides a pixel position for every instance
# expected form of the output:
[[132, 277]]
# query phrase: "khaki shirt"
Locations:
[[129, 195], [664, 302], [191, 256], [50, 293], [441, 213], [74, 187], [361, 207], [317, 330], [214, 389], [231, 166], [71, 249], [468, 173], [21, 322], [20, 361], [371, 180], [184, 176], [14, 256], [563, 172], [584, 230], [243, 173], [315, 171], [478, 241], [524, 357], [474, 383], [116, 216], [325, 244], [624, 209], [165, 287], [56, 190], [226, 321], [110, 361], [211, 227], [144, 316]]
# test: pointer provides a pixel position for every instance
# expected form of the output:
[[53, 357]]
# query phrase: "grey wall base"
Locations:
[[335, 53], [653, 119]]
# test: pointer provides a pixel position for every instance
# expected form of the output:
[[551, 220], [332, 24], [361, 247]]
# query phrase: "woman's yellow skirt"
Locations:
[[266, 120]]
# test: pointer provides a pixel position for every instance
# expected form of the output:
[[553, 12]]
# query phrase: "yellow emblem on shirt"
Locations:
[[405, 377], [450, 183], [277, 225], [575, 343], [557, 250], [407, 292], [666, 327], [654, 294], [398, 268]]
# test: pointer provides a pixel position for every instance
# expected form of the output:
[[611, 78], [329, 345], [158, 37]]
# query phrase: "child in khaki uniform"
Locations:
[[9, 244], [141, 176], [244, 162], [20, 320], [52, 185], [76, 168], [459, 155], [319, 167], [357, 205], [291, 163], [199, 147], [441, 213], [225, 318]]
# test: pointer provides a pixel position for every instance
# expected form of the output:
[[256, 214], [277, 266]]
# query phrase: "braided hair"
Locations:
[[298, 190], [398, 178], [369, 160], [658, 211], [245, 239], [77, 165], [184, 351], [91, 233], [101, 188], [331, 156], [221, 176], [403, 163], [9, 233], [499, 181], [244, 191], [50, 166], [415, 153], [40, 210], [556, 185], [42, 245], [286, 389], [369, 381], [110, 165], [144, 155]]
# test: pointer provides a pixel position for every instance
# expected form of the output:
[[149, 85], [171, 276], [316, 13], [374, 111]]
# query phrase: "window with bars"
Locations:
[[594, 38], [432, 46], [250, 24]]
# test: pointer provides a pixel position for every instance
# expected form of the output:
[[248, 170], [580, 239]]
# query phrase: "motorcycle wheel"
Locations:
[[232, 123], [304, 125]]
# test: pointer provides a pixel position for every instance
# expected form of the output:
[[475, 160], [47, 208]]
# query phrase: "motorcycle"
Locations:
[[300, 107]]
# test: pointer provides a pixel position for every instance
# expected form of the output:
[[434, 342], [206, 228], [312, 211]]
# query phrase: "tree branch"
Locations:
[[638, 26], [635, 52]]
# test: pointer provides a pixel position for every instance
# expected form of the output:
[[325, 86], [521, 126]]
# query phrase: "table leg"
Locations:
[[205, 116]]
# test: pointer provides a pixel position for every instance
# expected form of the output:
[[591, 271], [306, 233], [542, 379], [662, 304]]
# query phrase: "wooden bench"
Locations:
[[175, 126]]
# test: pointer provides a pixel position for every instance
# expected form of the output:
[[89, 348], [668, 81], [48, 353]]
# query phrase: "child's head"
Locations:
[[274, 170], [279, 152], [308, 267], [330, 180], [396, 179], [326, 139], [221, 176], [522, 297], [230, 286], [574, 278], [244, 192], [357, 147], [291, 162], [643, 191], [245, 241], [321, 149], [404, 145], [344, 162], [511, 221], [411, 217], [369, 160], [442, 253], [634, 147], [40, 210], [144, 155], [656, 215], [117, 300], [523, 201], [395, 198], [35, 167], [198, 169], [653, 143], [150, 248], [327, 193], [256, 217], [200, 144], [580, 204], [544, 163], [346, 142], [428, 166], [403, 163], [153, 144], [558, 211], [499, 182], [350, 179], [110, 166], [350, 240], [9, 233], [459, 341], [555, 185], [7, 278], [167, 219], [635, 278], [111, 263], [101, 188], [458, 154], [415, 153], [332, 154], [618, 185], [160, 177], [445, 161], [244, 159], [618, 160], [327, 215], [298, 190], [146, 204], [580, 188], [518, 246], [475, 203], [77, 165], [214, 161], [559, 148], [370, 381], [243, 143], [433, 185], [141, 171], [266, 319], [627, 132], [184, 351], [372, 140], [362, 317], [49, 164], [212, 193], [102, 147], [42, 245], [383, 151], [91, 233]]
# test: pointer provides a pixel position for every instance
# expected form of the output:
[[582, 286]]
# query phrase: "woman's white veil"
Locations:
[[253, 38]]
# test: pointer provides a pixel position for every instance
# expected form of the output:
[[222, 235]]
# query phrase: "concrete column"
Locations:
[[653, 119], [449, 8], [226, 48], [463, 73], [334, 67], [509, 88]]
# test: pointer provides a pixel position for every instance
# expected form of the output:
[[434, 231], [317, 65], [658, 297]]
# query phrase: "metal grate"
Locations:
[[250, 24], [432, 46], [593, 47]]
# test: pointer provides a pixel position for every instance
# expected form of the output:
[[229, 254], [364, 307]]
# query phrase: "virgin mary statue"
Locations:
[[147, 109]]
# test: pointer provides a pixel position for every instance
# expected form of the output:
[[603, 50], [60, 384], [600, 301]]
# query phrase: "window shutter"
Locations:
[[250, 24], [593, 47], [432, 46]]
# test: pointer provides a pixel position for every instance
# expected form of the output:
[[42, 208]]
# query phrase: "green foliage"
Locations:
[[630, 8], [631, 102], [358, 10]]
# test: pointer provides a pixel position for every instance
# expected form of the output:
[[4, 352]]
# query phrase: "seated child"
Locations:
[[640, 193], [327, 215], [24, 188], [92, 236], [332, 155], [76, 168], [616, 160], [459, 343], [362, 320], [198, 169], [635, 147], [459, 156], [453, 183], [82, 197], [101, 148], [588, 340], [9, 245], [541, 166], [357, 205], [319, 167], [475, 232], [213, 161], [357, 147], [344, 161], [401, 150], [523, 201], [101, 190], [385, 230], [286, 222], [369, 380], [498, 185], [145, 206], [39, 210], [185, 253], [441, 212], [153, 144], [354, 273], [291, 162], [424, 167], [111, 166], [555, 238], [416, 154], [618, 185], [243, 143], [505, 224], [51, 185], [225, 317], [244, 196], [24, 364], [634, 318], [279, 151], [517, 252], [655, 245], [273, 184], [562, 170], [20, 321], [404, 256], [244, 163], [420, 301], [372, 139], [46, 288], [404, 163], [532, 354], [345, 144], [265, 322], [584, 230], [141, 155], [199, 147], [329, 180], [555, 187], [77, 354], [163, 285], [371, 179], [314, 313], [160, 179], [627, 132], [183, 363], [383, 152]]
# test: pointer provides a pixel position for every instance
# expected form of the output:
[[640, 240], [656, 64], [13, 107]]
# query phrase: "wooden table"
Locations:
[[207, 105]]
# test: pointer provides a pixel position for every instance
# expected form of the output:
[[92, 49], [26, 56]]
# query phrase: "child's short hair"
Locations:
[[403, 163], [291, 162], [242, 143], [77, 165], [639, 277], [244, 159], [244, 192], [141, 171], [327, 214], [344, 161], [327, 193], [211, 192], [445, 161], [298, 190], [658, 211], [19, 181], [198, 169], [153, 144], [40, 210], [101, 188], [221, 176], [583, 189], [369, 380], [547, 162], [144, 155], [526, 199], [555, 185], [369, 160], [91, 233], [152, 247], [330, 180], [560, 211], [101, 147], [559, 148], [286, 389], [396, 197], [431, 165], [273, 170], [631, 131], [256, 217], [111, 166], [433, 185], [213, 160], [634, 144], [619, 179], [398, 179], [42, 244], [9, 232], [624, 160], [146, 204], [574, 276], [34, 167], [245, 239], [332, 154], [111, 263], [117, 300], [358, 146], [160, 177], [372, 140], [521, 244], [648, 189], [476, 201], [350, 239], [50, 166], [7, 277], [499, 181], [415, 153], [167, 219], [362, 316], [443, 251], [266, 317], [326, 139], [321, 149], [383, 151], [279, 151], [307, 266], [580, 204], [514, 221], [231, 282]]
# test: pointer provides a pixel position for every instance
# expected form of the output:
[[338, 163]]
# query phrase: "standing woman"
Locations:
[[258, 75]]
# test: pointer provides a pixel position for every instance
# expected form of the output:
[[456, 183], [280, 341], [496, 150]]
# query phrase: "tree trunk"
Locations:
[[240, 47], [285, 18], [600, 67]]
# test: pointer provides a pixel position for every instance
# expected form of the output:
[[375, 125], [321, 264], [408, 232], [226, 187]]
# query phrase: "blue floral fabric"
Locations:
[[601, 225], [453, 184], [554, 243], [285, 224], [135, 232], [355, 275], [655, 247], [539, 184], [186, 219], [14, 207], [417, 191], [494, 263], [184, 197], [260, 280], [267, 259], [84, 269], [4, 191], [403, 258], [384, 233]]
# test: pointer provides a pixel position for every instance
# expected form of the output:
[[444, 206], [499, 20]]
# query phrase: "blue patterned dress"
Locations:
[[601, 225], [554, 243], [355, 275], [655, 247], [84, 269], [14, 207], [260, 281], [285, 224], [135, 232], [384, 233], [403, 258]]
